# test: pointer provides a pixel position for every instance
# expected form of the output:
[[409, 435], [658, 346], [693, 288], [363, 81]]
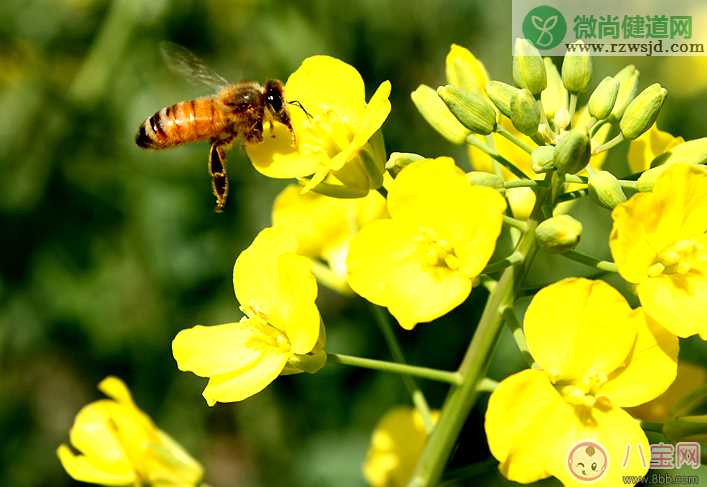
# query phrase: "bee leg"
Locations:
[[255, 134], [217, 170]]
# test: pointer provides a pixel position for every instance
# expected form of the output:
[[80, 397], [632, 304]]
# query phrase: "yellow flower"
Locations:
[[324, 226], [690, 378], [659, 243], [339, 142], [396, 445], [118, 444], [276, 290], [464, 70], [421, 262], [650, 144], [595, 356]]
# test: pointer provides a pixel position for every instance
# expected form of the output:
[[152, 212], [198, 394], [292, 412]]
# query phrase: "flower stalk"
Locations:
[[396, 368]]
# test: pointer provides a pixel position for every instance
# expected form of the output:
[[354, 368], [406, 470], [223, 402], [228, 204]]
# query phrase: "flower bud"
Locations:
[[528, 67], [646, 180], [562, 118], [500, 94], [573, 151], [628, 86], [559, 233], [474, 111], [554, 96], [605, 189], [480, 178], [641, 113], [525, 113], [542, 158], [577, 69], [399, 160], [602, 100], [435, 111]]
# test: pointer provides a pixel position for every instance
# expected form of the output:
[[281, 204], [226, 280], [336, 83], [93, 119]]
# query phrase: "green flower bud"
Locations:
[[628, 86], [577, 70], [602, 100], [399, 160], [474, 111], [435, 111], [573, 152], [641, 113], [542, 158], [554, 96], [528, 67], [605, 189], [480, 178], [646, 180], [500, 94], [559, 233], [525, 113], [562, 118]]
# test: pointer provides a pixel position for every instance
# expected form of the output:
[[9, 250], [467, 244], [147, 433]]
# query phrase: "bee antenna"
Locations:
[[299, 104]]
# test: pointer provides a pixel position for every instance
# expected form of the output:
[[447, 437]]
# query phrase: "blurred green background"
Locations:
[[108, 250]]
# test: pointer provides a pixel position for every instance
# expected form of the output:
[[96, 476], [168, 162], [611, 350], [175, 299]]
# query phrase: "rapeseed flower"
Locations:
[[277, 290], [594, 356]]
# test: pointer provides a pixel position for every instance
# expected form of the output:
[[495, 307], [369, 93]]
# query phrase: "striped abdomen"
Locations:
[[186, 121]]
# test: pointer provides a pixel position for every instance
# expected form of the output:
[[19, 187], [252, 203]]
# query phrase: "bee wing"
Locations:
[[187, 64]]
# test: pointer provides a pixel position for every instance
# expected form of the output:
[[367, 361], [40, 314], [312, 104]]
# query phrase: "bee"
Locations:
[[238, 109]]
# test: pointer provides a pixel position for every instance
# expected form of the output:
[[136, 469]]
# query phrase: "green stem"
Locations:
[[595, 128], [515, 223], [612, 143], [573, 105], [395, 368], [459, 476], [487, 385], [461, 399], [653, 426], [472, 140], [505, 133], [418, 398], [517, 330], [573, 195], [522, 183], [499, 265], [602, 265]]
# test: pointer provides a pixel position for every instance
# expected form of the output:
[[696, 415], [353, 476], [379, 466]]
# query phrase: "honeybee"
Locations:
[[236, 109]]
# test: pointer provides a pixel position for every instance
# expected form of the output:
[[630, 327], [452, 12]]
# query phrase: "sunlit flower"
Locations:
[[324, 227], [396, 445], [595, 356], [689, 379], [650, 144], [421, 262], [659, 243], [118, 444], [338, 142], [276, 290]]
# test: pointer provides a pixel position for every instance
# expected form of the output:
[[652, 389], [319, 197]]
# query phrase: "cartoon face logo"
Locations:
[[587, 461]]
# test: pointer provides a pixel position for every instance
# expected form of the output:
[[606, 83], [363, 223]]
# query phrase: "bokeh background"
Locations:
[[108, 250]]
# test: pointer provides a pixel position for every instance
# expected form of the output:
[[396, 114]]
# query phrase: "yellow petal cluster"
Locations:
[[594, 357], [396, 445], [648, 146], [338, 143], [118, 444], [421, 262], [276, 290], [324, 226], [659, 242]]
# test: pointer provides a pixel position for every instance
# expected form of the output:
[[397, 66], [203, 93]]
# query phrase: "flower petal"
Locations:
[[272, 280], [651, 367], [276, 157], [386, 266], [434, 194], [677, 302], [116, 389], [644, 149], [464, 70], [516, 428], [577, 327], [93, 470], [241, 384], [219, 349], [681, 192]]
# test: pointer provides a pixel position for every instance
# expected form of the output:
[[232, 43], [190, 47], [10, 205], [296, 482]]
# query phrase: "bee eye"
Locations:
[[275, 101]]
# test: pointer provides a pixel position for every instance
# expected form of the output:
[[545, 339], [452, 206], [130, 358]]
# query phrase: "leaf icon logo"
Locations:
[[545, 27]]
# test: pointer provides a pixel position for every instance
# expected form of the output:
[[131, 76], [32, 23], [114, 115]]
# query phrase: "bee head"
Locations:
[[275, 97]]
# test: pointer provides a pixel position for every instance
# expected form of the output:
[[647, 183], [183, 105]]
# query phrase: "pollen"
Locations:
[[680, 258]]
